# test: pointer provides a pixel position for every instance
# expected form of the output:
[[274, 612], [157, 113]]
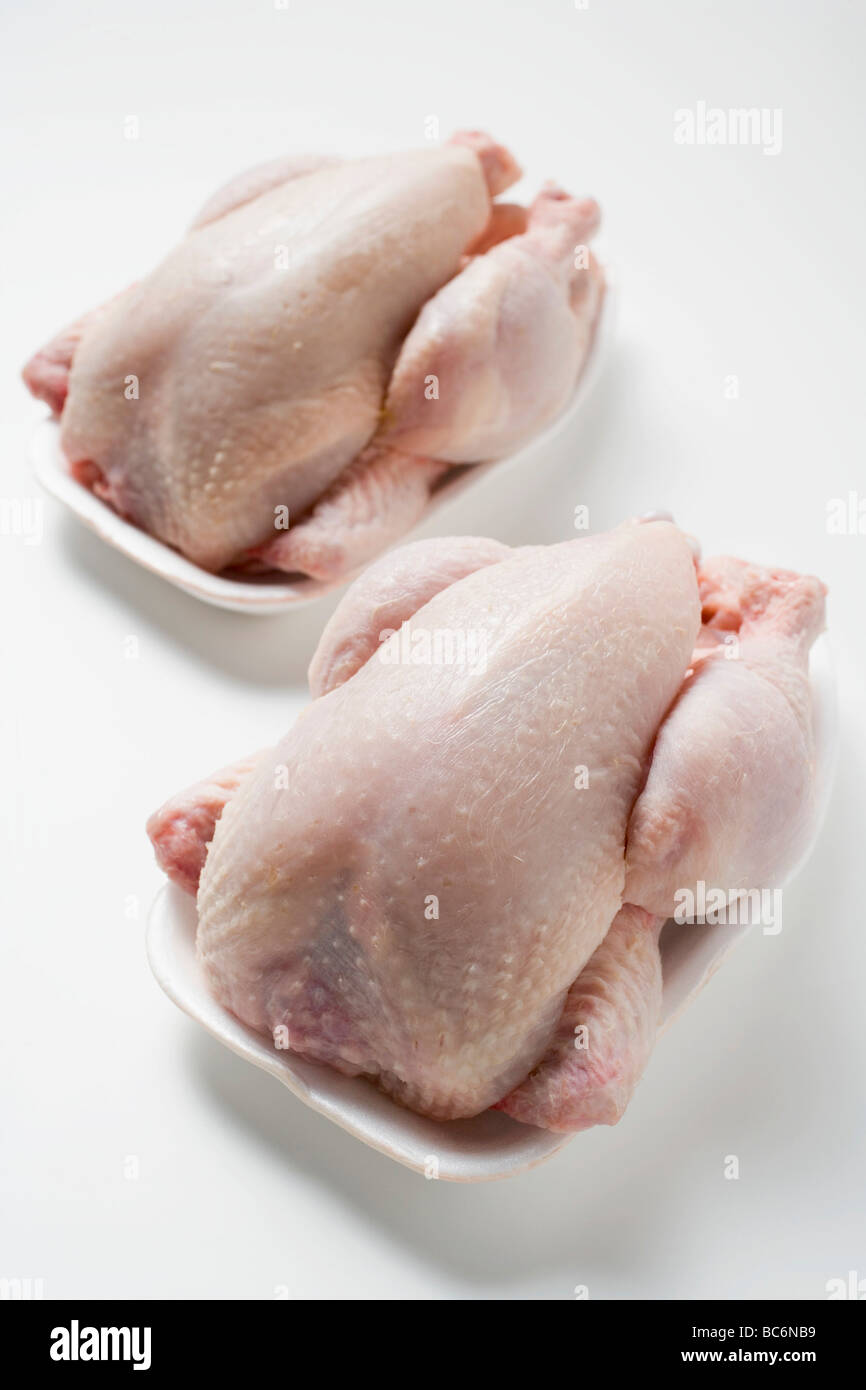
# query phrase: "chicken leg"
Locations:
[[729, 798], [605, 1033], [492, 357]]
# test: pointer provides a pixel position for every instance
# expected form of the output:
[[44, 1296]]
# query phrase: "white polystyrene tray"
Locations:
[[269, 594], [491, 1145]]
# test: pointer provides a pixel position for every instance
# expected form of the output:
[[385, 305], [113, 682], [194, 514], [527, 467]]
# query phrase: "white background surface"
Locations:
[[729, 262]]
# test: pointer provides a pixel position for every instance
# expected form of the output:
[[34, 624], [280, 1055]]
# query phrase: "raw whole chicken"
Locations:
[[331, 337], [457, 863]]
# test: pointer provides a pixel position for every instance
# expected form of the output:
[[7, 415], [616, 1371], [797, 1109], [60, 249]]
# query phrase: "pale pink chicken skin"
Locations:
[[401, 782], [263, 388], [587, 1078], [504, 343], [740, 734], [193, 819]]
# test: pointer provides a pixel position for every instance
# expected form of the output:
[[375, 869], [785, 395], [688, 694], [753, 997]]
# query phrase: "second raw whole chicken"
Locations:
[[459, 859], [331, 337]]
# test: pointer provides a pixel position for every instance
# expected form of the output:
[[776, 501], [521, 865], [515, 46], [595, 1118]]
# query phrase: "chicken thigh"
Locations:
[[331, 336], [739, 735], [426, 881]]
